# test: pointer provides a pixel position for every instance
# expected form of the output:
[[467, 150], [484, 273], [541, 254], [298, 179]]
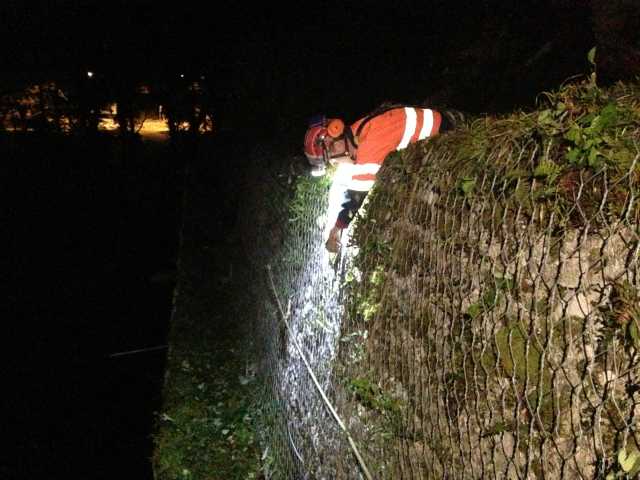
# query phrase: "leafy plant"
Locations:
[[628, 463], [367, 309], [466, 186], [548, 171], [629, 460], [594, 139], [377, 277], [497, 428], [370, 395]]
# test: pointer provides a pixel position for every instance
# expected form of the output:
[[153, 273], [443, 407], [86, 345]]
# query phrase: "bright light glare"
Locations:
[[151, 127], [315, 319], [337, 194], [90, 74], [318, 172]]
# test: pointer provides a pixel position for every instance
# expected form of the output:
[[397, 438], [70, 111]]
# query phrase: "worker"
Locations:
[[363, 146]]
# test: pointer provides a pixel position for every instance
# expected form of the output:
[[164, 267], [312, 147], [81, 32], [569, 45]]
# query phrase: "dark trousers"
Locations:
[[351, 206]]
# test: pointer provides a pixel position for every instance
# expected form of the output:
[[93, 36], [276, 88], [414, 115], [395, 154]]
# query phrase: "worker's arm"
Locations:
[[349, 210]]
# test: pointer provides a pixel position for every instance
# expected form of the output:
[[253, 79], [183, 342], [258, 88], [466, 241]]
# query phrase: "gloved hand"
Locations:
[[333, 243]]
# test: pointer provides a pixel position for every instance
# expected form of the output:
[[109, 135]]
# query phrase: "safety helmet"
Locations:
[[313, 144], [315, 150]]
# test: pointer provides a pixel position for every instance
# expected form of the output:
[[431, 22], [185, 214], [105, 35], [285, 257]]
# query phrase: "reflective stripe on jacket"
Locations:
[[392, 130]]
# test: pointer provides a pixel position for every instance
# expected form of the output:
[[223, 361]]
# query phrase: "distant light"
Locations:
[[182, 75], [201, 77], [90, 74]]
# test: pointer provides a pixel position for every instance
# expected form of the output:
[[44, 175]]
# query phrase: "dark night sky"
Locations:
[[66, 32], [146, 35], [294, 60]]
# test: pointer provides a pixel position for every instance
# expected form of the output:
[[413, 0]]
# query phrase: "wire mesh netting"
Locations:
[[501, 342], [484, 322], [300, 308]]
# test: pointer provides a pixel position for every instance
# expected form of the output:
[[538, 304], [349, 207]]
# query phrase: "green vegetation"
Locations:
[[519, 357], [307, 191], [629, 461], [580, 147], [295, 209], [464, 328], [372, 396], [491, 297], [207, 425], [476, 290]]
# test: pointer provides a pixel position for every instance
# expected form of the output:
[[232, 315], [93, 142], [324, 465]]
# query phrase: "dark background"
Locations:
[[89, 222], [89, 229], [270, 66]]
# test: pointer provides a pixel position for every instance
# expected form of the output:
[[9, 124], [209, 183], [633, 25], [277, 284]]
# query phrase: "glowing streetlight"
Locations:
[[90, 74]]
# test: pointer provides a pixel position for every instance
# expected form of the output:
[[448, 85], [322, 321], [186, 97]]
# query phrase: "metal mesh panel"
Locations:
[[482, 323], [299, 314], [503, 326]]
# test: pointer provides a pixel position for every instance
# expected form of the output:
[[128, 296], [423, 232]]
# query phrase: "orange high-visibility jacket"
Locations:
[[392, 130]]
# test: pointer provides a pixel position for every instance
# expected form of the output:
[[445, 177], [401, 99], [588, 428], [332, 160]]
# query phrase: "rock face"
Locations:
[[506, 323], [489, 325], [505, 343]]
